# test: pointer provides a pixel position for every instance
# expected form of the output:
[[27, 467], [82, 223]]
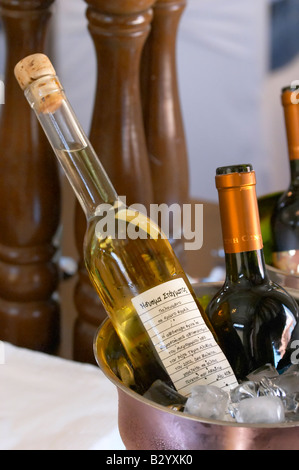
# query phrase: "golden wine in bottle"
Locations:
[[285, 217], [254, 318], [139, 280]]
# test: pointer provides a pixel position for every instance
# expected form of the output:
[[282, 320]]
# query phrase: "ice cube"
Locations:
[[283, 387], [291, 369], [268, 370], [291, 404], [289, 382], [268, 387], [163, 394], [292, 407], [259, 410], [244, 390], [207, 401]]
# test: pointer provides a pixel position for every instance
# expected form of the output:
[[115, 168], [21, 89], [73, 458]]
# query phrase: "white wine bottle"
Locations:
[[254, 318], [139, 280]]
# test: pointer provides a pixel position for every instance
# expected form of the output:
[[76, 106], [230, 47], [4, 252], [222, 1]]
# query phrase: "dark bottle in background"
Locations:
[[285, 217]]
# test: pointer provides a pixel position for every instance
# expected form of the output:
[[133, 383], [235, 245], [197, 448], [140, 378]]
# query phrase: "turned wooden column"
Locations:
[[119, 29], [162, 110], [29, 194], [161, 103]]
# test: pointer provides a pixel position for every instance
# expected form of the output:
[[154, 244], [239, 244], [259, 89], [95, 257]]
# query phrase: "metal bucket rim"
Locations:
[[119, 385]]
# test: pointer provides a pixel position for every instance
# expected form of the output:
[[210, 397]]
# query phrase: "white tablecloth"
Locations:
[[48, 403]]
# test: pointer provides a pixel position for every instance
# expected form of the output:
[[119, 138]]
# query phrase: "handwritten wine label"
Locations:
[[184, 343]]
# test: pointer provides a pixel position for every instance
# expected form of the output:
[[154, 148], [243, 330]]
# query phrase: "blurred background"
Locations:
[[233, 58]]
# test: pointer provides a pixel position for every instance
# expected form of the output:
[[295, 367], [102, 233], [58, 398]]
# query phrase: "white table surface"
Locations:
[[49, 403]]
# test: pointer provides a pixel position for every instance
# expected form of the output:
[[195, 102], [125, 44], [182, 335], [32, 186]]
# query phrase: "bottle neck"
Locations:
[[240, 221], [294, 167], [71, 145], [246, 267], [291, 115], [241, 229]]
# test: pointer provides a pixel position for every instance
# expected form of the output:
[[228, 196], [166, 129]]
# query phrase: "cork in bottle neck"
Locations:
[[238, 209], [37, 77]]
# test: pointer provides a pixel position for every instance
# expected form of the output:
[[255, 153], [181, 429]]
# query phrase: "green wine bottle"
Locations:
[[285, 217], [255, 319]]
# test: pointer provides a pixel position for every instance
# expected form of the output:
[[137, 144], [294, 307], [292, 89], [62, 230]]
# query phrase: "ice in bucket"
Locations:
[[207, 401], [260, 410], [165, 395], [244, 390], [267, 398], [288, 382]]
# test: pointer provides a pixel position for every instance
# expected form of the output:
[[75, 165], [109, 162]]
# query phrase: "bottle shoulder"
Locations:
[[289, 198], [285, 223], [246, 296], [286, 211]]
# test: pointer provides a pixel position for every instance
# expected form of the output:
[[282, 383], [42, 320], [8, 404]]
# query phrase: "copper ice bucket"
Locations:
[[145, 425]]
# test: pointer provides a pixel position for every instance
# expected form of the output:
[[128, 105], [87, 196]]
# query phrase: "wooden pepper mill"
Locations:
[[162, 110], [161, 103], [119, 30], [29, 195]]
